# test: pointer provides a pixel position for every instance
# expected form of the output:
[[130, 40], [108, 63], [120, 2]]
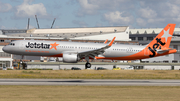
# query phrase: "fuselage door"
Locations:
[[21, 45], [146, 52], [76, 48]]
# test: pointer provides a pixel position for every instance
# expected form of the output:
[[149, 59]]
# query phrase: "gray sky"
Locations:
[[89, 13]]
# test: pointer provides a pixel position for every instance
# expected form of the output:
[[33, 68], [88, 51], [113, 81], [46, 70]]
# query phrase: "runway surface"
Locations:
[[91, 82]]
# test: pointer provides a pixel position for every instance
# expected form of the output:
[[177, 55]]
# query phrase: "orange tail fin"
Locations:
[[164, 37], [162, 40]]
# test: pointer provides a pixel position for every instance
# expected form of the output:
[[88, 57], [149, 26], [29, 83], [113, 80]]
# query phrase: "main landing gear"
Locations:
[[87, 65]]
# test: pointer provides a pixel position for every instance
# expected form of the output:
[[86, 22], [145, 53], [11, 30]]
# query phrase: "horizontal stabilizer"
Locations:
[[160, 51]]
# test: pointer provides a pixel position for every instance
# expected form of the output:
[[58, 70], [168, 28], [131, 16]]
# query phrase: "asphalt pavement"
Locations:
[[90, 82]]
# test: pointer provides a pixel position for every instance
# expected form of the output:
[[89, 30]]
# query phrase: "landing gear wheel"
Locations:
[[21, 61], [87, 65]]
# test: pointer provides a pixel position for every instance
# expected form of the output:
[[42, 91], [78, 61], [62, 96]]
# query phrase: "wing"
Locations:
[[95, 52]]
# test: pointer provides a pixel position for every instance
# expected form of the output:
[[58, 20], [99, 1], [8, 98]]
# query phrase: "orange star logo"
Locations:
[[54, 46]]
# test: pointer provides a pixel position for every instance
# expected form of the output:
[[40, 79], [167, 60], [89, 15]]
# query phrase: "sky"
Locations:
[[14, 14]]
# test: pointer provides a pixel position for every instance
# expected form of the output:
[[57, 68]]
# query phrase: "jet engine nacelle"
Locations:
[[70, 58]]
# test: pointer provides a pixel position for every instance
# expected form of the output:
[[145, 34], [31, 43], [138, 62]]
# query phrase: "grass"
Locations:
[[89, 93], [91, 74]]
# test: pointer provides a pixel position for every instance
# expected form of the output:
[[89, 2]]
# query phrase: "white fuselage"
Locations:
[[43, 48]]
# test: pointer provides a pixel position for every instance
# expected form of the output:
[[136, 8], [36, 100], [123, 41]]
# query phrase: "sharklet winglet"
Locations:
[[106, 41], [110, 44]]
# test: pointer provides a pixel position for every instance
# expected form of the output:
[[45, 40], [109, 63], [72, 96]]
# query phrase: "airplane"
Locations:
[[72, 52]]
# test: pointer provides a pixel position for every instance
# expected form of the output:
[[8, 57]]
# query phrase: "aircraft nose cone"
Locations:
[[3, 48]]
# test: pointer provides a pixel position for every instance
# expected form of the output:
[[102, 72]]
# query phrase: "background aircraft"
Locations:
[[72, 52]]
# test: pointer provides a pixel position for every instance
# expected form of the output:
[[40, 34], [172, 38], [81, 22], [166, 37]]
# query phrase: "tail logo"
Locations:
[[159, 43], [155, 46], [166, 34]]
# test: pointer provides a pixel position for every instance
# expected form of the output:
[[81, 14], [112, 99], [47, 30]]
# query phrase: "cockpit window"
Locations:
[[13, 44]]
